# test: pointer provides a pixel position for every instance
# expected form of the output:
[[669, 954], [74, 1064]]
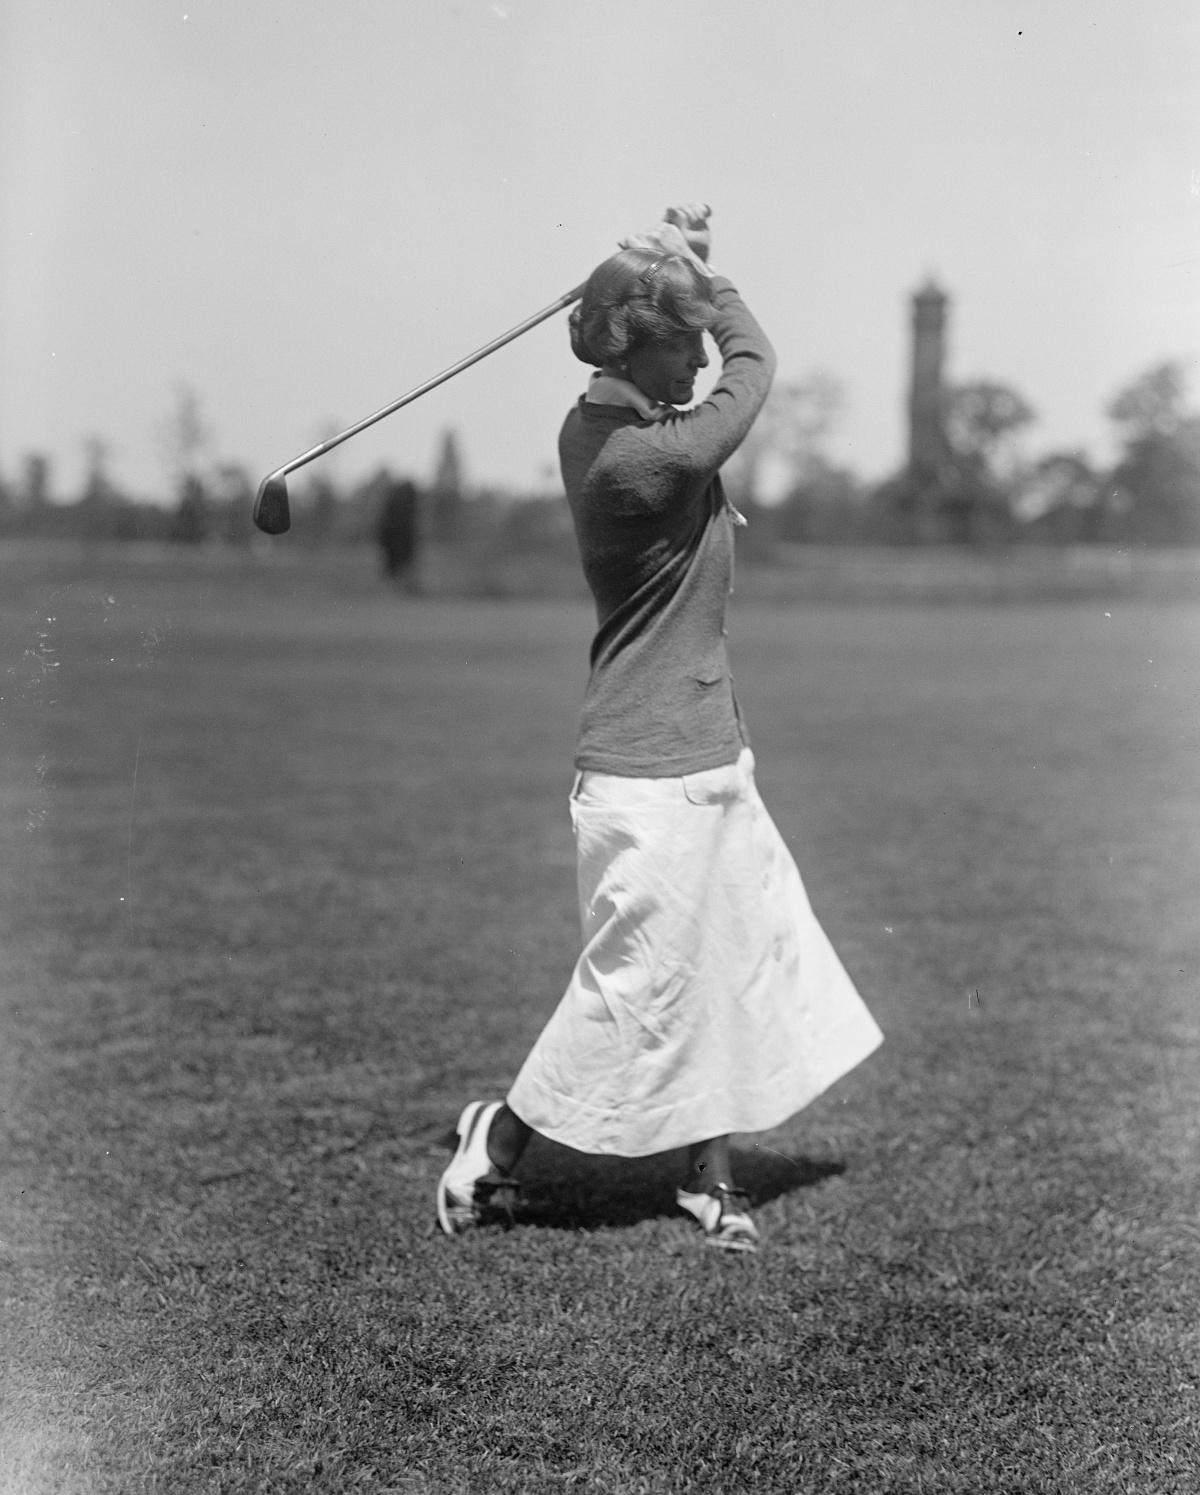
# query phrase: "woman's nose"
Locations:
[[699, 359]]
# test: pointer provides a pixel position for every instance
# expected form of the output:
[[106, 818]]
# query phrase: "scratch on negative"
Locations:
[[779, 1154], [129, 847]]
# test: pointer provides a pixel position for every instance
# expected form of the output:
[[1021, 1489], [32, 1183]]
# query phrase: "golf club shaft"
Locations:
[[455, 368]]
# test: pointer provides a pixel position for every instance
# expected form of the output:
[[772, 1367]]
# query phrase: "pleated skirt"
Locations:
[[707, 998]]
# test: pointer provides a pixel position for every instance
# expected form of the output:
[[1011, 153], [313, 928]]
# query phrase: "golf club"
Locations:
[[271, 512]]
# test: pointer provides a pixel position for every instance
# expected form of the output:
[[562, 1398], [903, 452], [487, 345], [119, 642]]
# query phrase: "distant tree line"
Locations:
[[986, 490]]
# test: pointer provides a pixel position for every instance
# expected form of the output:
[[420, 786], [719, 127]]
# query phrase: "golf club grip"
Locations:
[[455, 368]]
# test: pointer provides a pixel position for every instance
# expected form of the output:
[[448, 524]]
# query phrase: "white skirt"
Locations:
[[707, 998]]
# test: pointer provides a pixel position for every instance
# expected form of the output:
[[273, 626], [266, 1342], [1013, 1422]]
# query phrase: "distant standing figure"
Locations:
[[397, 531], [707, 999]]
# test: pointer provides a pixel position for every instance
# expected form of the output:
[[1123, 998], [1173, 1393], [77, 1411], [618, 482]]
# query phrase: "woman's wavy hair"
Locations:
[[638, 296]]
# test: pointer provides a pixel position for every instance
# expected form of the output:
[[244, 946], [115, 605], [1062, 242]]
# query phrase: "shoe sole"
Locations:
[[732, 1243], [498, 1201], [453, 1217], [735, 1237], [495, 1196]]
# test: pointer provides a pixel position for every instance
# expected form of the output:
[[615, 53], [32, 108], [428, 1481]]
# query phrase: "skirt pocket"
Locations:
[[715, 786]]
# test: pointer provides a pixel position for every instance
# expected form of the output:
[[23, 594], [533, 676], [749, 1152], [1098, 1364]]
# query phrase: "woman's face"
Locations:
[[667, 371]]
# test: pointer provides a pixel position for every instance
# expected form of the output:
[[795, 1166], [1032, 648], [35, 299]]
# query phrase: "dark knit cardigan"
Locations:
[[655, 536]]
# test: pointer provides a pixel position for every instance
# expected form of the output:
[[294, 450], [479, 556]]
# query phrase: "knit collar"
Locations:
[[605, 388]]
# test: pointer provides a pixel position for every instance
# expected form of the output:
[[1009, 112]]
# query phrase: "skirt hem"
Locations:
[[598, 1133]]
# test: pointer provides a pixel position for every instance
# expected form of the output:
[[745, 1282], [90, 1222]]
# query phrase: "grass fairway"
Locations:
[[288, 877]]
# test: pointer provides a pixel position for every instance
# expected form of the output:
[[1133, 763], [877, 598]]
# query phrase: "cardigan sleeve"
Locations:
[[700, 441]]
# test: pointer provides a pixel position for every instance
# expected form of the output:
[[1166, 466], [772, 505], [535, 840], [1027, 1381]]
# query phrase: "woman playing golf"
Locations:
[[707, 999]]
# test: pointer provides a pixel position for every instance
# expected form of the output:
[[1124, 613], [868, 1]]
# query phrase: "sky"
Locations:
[[299, 210]]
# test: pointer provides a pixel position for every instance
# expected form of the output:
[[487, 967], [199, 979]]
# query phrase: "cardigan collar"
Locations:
[[605, 388]]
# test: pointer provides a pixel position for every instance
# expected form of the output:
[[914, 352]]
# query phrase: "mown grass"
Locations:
[[245, 995]]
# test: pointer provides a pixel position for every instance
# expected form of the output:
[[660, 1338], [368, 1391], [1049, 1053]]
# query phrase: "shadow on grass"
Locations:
[[565, 1190]]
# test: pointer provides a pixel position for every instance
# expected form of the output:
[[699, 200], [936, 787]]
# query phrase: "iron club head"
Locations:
[[271, 512]]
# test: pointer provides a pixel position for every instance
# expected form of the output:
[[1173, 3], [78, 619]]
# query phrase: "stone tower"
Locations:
[[927, 448]]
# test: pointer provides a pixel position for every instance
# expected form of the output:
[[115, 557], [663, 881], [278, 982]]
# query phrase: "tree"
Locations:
[[786, 443], [234, 500], [320, 511], [35, 481], [29, 509], [397, 528], [105, 513], [1157, 478], [967, 495], [979, 489], [1061, 499], [982, 421], [826, 507], [1152, 405], [447, 518], [189, 524], [96, 486], [184, 437], [316, 515]]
